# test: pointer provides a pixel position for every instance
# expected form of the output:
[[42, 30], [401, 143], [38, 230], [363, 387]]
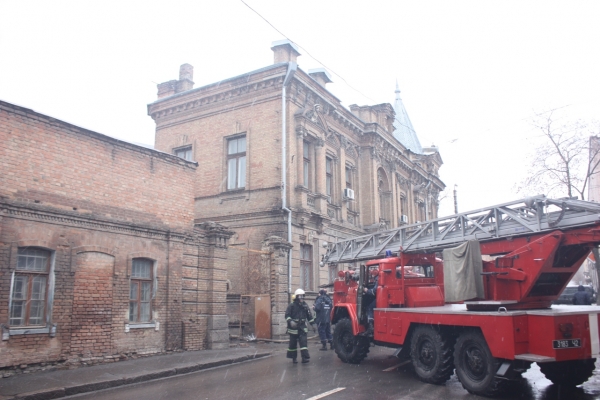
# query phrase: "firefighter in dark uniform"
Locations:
[[297, 316], [581, 297], [322, 308], [370, 292]]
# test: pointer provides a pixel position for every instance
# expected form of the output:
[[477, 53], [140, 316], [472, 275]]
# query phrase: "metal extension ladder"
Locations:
[[521, 217]]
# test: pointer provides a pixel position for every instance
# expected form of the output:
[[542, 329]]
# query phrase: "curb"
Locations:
[[55, 393]]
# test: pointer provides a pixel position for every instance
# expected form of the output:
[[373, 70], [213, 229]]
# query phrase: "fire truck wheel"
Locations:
[[349, 348], [431, 355], [475, 366], [569, 373]]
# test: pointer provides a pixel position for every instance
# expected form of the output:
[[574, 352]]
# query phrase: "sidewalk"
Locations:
[[61, 383]]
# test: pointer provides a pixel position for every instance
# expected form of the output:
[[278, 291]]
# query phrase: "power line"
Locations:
[[308, 53]]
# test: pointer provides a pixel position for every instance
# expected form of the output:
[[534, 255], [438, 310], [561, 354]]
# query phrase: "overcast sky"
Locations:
[[472, 73]]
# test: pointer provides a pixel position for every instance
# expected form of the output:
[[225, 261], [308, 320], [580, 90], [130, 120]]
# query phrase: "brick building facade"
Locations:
[[280, 157], [99, 253]]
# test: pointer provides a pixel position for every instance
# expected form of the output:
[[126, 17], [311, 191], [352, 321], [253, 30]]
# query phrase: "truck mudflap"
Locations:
[[341, 311]]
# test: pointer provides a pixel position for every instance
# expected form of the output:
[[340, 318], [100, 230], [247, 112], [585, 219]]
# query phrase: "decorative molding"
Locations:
[[208, 99], [94, 249], [402, 181], [301, 131], [217, 232], [352, 150], [330, 212], [47, 216]]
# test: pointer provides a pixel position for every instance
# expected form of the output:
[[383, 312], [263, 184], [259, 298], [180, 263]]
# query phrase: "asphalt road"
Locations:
[[377, 377]]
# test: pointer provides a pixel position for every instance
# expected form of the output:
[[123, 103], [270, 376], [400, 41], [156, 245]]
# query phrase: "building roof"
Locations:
[[404, 131]]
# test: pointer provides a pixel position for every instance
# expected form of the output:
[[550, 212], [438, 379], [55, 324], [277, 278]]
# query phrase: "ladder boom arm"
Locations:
[[521, 217]]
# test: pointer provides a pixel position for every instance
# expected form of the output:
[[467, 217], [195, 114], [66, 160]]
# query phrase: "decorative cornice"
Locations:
[[228, 195], [402, 181], [60, 218], [308, 98], [156, 112], [217, 233]]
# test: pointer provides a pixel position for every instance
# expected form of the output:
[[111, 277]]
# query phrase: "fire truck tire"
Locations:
[[431, 355], [349, 348], [569, 373], [475, 366]]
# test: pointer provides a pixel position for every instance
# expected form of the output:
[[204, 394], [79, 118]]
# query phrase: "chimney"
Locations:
[[166, 89], [320, 75], [284, 51], [186, 76]]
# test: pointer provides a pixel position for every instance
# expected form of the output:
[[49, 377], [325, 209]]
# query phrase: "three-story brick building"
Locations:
[[279, 156]]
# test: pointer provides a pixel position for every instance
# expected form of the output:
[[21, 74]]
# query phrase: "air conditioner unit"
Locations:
[[349, 194], [403, 219]]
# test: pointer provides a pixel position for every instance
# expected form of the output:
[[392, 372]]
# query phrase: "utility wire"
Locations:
[[308, 53], [352, 87], [314, 58]]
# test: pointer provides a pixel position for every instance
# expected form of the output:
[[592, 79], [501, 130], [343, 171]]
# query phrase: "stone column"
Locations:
[[278, 250]]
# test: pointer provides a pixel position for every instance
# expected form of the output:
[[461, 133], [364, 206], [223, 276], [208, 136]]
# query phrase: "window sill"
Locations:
[[142, 325], [28, 331], [34, 330]]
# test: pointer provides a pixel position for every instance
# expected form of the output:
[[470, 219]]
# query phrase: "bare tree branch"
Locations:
[[565, 162]]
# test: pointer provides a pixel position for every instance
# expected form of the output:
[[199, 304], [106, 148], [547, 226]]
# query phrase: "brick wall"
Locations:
[[96, 203], [92, 305], [48, 161]]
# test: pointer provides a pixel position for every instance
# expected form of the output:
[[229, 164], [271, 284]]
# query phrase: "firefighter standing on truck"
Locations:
[[369, 296], [297, 315]]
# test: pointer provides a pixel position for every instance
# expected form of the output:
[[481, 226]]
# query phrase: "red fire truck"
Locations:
[[483, 311]]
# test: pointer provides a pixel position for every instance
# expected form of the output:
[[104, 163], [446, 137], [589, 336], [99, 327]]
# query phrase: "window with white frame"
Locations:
[[185, 153], [329, 176], [30, 286], [348, 175], [236, 163], [140, 290], [306, 266], [306, 164]]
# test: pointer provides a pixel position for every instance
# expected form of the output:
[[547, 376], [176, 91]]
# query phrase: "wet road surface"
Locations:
[[377, 377]]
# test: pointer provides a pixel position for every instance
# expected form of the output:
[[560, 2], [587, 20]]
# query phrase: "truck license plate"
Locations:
[[566, 344]]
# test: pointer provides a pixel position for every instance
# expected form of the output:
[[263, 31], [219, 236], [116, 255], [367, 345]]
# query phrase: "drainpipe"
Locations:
[[292, 66]]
